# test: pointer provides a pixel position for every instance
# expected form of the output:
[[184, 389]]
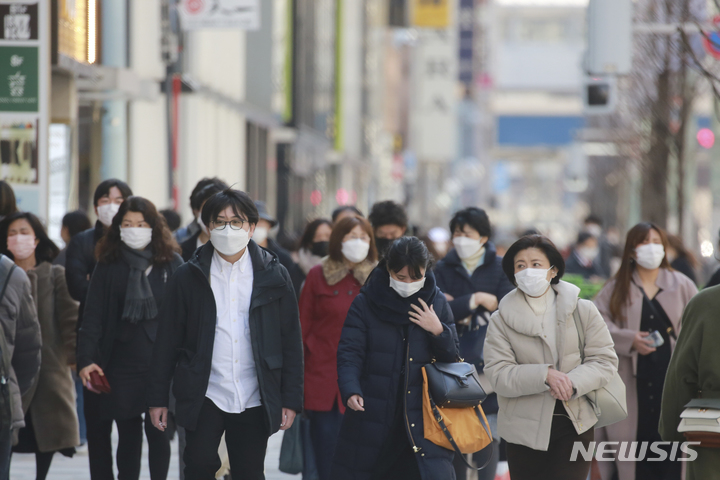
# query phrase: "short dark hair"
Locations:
[[172, 218], [540, 242], [163, 242], [592, 218], [342, 228], [207, 192], [475, 218], [76, 222], [8, 202], [307, 237], [45, 251], [583, 237], [408, 252], [345, 208], [240, 202], [388, 213], [195, 202], [104, 189]]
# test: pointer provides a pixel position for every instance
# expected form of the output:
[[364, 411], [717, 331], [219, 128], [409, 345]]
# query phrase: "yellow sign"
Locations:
[[72, 18], [431, 13]]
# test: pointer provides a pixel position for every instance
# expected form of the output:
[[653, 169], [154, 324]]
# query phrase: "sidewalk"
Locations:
[[76, 468]]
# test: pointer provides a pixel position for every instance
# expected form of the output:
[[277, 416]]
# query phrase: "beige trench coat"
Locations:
[[676, 292], [53, 405], [518, 355]]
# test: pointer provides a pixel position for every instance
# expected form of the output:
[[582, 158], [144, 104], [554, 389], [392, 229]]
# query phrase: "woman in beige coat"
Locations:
[[645, 295], [51, 423], [533, 362]]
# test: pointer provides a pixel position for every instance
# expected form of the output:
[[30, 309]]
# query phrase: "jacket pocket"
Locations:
[[274, 362]]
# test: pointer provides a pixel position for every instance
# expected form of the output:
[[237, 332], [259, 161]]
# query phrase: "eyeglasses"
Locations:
[[234, 225]]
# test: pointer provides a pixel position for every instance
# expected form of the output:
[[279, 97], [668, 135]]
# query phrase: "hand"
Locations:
[[487, 300], [449, 297], [426, 318], [288, 417], [159, 416], [85, 375], [642, 345], [561, 387], [357, 403]]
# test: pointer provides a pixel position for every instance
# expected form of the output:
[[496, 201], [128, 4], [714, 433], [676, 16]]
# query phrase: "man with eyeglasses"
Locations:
[[230, 339]]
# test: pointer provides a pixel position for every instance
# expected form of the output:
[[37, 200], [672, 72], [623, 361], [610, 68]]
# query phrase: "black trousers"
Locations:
[[99, 436], [246, 437]]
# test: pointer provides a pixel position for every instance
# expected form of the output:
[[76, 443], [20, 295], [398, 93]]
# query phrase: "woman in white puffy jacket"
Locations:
[[533, 362]]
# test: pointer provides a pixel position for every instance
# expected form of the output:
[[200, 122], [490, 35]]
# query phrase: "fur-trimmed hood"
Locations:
[[334, 271]]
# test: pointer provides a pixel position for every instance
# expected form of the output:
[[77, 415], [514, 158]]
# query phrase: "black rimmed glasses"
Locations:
[[234, 225]]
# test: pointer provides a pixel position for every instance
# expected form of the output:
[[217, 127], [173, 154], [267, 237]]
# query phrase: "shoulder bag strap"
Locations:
[[441, 422], [669, 326], [581, 331]]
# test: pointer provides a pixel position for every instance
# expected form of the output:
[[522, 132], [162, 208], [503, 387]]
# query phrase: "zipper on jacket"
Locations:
[[416, 449]]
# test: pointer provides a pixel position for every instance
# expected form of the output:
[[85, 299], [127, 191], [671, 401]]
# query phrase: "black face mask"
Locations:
[[383, 245], [320, 249]]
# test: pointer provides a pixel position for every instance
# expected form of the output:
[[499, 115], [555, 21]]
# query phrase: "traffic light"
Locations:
[[599, 95]]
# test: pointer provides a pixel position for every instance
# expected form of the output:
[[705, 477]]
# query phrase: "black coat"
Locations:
[[183, 351], [80, 263], [189, 246], [371, 356], [296, 274], [714, 280], [574, 266], [122, 349]]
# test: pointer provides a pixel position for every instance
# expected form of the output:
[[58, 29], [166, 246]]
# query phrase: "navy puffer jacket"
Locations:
[[370, 357]]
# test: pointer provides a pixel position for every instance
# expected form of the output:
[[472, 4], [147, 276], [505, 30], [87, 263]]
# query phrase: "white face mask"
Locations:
[[202, 225], [260, 235], [466, 247], [407, 289], [107, 212], [136, 238], [650, 255], [589, 254], [355, 250], [21, 246], [228, 241], [594, 230], [533, 281]]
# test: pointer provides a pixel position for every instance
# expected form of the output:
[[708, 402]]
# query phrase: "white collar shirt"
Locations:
[[233, 384]]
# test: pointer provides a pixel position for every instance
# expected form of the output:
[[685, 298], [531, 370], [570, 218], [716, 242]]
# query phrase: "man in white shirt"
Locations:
[[230, 339]]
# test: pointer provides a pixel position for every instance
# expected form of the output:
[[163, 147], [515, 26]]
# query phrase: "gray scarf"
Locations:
[[139, 299]]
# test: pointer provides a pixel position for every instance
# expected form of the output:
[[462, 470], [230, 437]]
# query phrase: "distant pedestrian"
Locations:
[[202, 235], [72, 224], [583, 259], [230, 340], [8, 203], [390, 222], [329, 290], [681, 259], [51, 422], [543, 410], [314, 244], [196, 206], [345, 211], [79, 267], [172, 218], [398, 323], [136, 259], [645, 296], [606, 250]]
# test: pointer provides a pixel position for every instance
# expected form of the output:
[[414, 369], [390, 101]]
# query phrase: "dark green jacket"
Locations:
[[694, 371], [185, 339]]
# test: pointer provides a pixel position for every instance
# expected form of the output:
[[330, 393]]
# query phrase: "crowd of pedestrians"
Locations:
[[218, 334]]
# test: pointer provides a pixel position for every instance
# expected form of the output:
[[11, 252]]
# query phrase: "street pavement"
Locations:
[[76, 468]]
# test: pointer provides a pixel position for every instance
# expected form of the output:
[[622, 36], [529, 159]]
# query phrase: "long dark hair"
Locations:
[[8, 203], [623, 278], [308, 235], [163, 243], [45, 251]]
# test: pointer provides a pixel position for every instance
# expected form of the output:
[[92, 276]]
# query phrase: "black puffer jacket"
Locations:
[[371, 356], [184, 346], [80, 263]]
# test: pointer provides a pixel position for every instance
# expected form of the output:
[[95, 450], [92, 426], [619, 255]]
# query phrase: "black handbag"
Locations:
[[456, 385]]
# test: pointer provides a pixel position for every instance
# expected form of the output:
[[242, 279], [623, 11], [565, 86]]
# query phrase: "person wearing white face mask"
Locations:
[[136, 259], [534, 364], [645, 296], [230, 340], [51, 422], [329, 290], [582, 259], [202, 235], [80, 264], [399, 323], [471, 277]]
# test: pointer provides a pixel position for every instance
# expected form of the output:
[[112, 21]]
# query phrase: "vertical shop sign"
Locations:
[[466, 23], [24, 83]]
